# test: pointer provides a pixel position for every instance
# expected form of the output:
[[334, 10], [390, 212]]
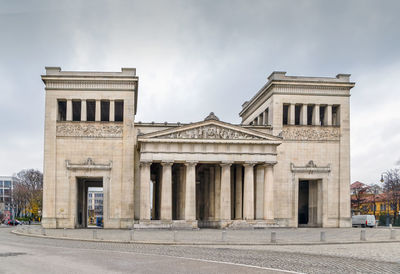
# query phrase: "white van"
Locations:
[[363, 220]]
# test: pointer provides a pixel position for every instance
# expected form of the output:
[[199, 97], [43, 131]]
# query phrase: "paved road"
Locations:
[[20, 254]]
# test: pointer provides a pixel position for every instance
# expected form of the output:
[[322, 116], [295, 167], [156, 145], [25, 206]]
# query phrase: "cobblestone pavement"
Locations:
[[333, 258]]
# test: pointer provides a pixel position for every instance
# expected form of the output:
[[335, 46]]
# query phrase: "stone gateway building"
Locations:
[[287, 164]]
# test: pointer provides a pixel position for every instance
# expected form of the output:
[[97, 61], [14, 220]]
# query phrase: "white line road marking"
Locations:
[[170, 256]]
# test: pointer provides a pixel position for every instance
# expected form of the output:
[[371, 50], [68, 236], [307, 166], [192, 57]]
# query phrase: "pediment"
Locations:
[[211, 130]]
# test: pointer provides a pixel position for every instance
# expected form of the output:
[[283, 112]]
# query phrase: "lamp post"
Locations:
[[386, 205]]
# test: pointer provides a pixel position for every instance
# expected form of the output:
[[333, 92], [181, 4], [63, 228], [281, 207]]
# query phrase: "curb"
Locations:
[[201, 243]]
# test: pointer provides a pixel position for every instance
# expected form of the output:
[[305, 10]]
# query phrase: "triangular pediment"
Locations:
[[210, 130]]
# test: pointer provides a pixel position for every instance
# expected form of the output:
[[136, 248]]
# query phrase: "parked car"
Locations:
[[13, 222], [363, 220]]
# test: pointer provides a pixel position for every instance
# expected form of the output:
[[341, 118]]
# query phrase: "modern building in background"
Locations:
[[95, 204], [286, 165], [6, 202]]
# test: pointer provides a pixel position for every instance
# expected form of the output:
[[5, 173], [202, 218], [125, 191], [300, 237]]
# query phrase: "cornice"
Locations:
[[205, 141], [297, 84], [57, 84]]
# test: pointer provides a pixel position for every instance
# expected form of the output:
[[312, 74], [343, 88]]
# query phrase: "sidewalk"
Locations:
[[283, 236]]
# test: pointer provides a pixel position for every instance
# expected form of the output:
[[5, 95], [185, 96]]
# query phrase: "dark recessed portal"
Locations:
[[89, 211]]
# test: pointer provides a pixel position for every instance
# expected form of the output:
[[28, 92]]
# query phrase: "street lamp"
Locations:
[[387, 210]]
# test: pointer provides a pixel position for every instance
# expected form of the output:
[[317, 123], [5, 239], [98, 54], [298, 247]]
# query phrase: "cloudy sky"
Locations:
[[198, 56]]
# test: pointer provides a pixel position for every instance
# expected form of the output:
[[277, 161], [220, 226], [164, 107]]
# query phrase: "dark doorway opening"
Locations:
[[303, 203], [310, 203], [89, 211]]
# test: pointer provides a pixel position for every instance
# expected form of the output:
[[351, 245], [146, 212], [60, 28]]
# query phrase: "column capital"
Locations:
[[145, 163], [269, 164], [222, 164], [249, 164], [190, 163], [167, 163]]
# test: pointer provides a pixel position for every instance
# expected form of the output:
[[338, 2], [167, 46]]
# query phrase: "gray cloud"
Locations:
[[194, 57]]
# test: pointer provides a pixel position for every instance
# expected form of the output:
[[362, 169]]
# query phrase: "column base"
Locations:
[[165, 224]]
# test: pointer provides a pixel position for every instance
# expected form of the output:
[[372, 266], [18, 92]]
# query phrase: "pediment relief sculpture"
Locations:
[[210, 132]]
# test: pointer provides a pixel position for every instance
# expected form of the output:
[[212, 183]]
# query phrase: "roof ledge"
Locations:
[[277, 75]]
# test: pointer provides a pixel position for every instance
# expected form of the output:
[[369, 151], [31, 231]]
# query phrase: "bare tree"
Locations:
[[391, 188], [28, 191], [359, 191], [374, 190]]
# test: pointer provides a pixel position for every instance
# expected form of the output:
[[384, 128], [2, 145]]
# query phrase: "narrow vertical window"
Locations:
[[310, 110], [119, 111], [105, 111], [285, 114], [90, 110], [266, 120], [297, 112], [322, 115], [62, 110], [76, 110], [335, 116]]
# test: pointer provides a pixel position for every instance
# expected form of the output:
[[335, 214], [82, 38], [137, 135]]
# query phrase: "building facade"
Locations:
[[287, 164], [6, 200]]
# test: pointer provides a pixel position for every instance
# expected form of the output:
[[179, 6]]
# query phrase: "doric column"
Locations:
[[69, 110], [268, 192], [316, 116], [217, 181], [83, 110], [190, 191], [303, 115], [248, 197], [98, 111], [145, 190], [226, 191], [112, 110], [238, 193], [292, 114], [328, 115], [211, 195], [166, 191]]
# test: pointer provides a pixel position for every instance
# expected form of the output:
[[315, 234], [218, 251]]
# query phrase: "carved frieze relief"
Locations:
[[82, 129], [310, 133], [310, 168], [210, 132], [89, 164]]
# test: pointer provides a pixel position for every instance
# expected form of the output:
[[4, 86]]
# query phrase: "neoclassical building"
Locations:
[[287, 164]]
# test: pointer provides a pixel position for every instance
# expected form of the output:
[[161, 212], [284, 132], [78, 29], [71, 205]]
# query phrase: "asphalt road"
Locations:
[[20, 254]]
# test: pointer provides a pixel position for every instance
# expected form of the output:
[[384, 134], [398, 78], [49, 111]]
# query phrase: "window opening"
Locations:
[[285, 114], [297, 111], [266, 122], [76, 110], [309, 115], [322, 115], [119, 111], [62, 110], [335, 115], [90, 110], [105, 110]]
